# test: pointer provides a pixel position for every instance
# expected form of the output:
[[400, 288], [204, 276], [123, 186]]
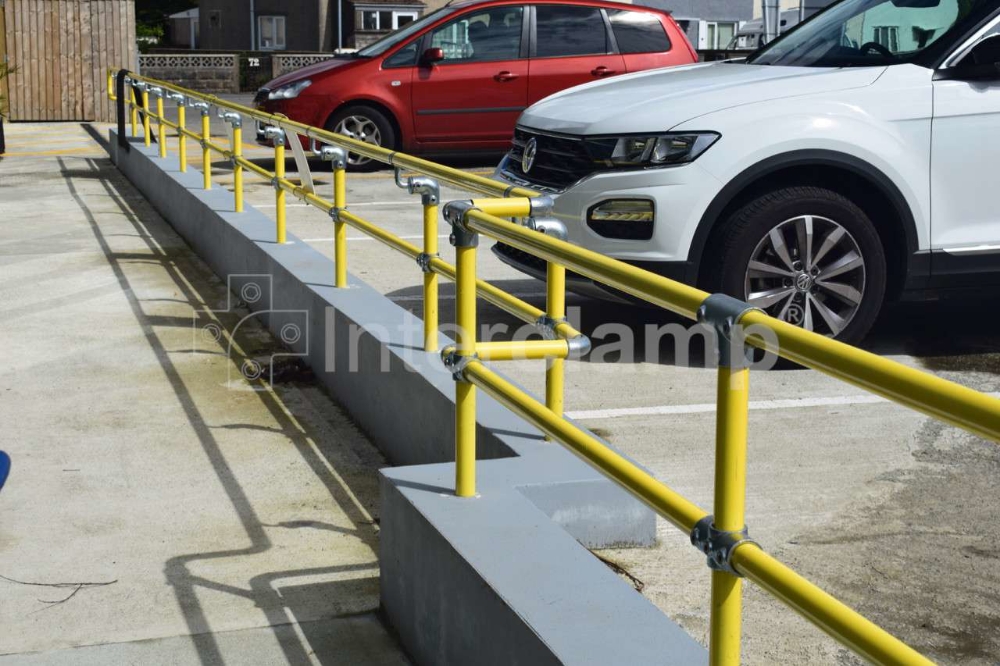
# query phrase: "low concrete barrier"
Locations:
[[496, 579]]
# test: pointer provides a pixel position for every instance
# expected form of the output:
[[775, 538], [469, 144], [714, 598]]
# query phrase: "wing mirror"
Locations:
[[982, 63], [433, 55]]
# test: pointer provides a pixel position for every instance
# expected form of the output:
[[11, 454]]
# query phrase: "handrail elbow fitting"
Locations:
[[579, 346]]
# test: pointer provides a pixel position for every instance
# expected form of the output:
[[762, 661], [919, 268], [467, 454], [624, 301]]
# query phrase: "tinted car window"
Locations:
[[491, 34], [567, 31], [638, 32], [404, 57]]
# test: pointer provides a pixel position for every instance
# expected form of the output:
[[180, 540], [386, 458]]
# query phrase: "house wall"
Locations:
[[705, 10], [225, 24]]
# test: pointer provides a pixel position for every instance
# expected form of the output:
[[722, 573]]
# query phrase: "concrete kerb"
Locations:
[[505, 542]]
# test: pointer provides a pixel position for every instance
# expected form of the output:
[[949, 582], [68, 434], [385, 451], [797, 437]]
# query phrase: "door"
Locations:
[[477, 92], [965, 206], [571, 45]]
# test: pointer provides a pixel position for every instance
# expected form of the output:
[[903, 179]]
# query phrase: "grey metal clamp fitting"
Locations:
[[456, 213], [180, 99], [718, 545], [456, 363], [427, 188], [541, 206], [334, 154], [233, 118], [204, 107], [155, 91], [424, 261], [275, 134], [723, 313]]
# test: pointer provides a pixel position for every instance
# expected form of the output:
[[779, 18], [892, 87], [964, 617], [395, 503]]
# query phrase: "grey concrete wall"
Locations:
[[497, 579]]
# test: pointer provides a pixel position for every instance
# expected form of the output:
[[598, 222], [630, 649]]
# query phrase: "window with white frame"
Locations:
[[717, 34], [888, 36], [383, 20], [271, 33]]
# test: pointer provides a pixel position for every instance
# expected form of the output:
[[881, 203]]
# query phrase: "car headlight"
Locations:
[[289, 91], [653, 149]]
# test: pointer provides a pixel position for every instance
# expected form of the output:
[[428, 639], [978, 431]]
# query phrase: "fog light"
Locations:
[[630, 219]]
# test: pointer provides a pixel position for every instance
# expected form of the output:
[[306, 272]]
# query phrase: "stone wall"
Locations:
[[213, 74]]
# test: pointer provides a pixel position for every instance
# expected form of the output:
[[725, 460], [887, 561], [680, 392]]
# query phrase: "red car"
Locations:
[[457, 79]]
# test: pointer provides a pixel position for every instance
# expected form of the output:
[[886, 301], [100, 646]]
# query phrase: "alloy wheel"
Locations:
[[808, 271], [363, 129]]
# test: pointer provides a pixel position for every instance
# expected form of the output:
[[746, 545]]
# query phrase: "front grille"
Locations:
[[622, 230], [560, 161]]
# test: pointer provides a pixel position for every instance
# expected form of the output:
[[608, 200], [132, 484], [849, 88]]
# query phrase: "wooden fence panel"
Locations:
[[62, 50]]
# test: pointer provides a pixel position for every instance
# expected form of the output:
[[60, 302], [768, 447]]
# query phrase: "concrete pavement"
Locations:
[[161, 507]]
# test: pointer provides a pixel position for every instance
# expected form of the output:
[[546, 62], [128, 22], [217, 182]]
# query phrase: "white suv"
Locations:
[[855, 158]]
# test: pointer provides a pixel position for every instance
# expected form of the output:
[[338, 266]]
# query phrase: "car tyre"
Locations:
[[806, 255], [368, 124]]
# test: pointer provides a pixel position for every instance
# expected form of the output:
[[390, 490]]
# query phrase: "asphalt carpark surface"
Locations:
[[890, 511]]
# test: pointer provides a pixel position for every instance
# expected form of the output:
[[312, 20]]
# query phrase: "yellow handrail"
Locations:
[[722, 537]]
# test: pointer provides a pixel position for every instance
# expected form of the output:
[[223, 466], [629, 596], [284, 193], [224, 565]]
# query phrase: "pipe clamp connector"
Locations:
[[723, 313], [334, 154], [456, 363], [424, 261], [541, 206], [234, 119], [718, 545], [456, 213], [579, 346], [275, 134], [335, 214], [427, 188], [546, 326]]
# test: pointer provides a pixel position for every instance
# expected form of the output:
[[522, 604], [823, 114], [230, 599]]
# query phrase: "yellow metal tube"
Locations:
[[237, 149], [665, 501], [517, 207], [430, 278], [465, 392], [181, 138], [732, 399], [555, 303], [655, 289], [133, 112], [457, 177], [939, 398], [279, 193], [340, 227], [147, 138], [519, 350], [835, 618], [206, 155], [161, 129]]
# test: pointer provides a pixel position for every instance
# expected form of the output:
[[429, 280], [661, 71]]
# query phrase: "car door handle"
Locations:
[[602, 71], [505, 76]]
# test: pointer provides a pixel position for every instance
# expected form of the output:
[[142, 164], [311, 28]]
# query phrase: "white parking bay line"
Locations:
[[662, 410], [793, 403]]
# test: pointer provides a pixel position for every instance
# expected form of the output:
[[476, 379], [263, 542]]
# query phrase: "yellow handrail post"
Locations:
[[206, 154], [133, 112], [465, 242], [339, 226], [161, 129], [430, 277], [279, 191], [555, 299], [181, 138], [146, 136], [730, 497], [237, 150], [717, 536]]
